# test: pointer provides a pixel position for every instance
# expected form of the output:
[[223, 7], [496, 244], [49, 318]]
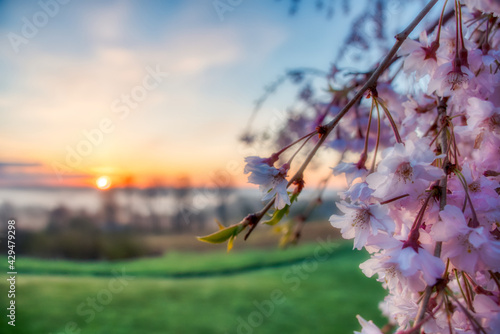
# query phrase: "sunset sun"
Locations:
[[103, 182]]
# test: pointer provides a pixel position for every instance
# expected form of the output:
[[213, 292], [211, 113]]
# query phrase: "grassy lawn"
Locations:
[[315, 294], [173, 263]]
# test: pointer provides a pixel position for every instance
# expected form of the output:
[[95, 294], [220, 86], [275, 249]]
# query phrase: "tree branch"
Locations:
[[371, 82]]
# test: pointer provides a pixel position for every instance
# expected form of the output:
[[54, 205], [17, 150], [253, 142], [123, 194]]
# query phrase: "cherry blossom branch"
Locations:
[[372, 168], [443, 184], [415, 329], [442, 201], [364, 154], [308, 136], [474, 222], [370, 83], [394, 199], [391, 120], [476, 326], [409, 210]]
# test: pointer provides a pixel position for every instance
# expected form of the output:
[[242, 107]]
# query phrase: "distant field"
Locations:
[[262, 237], [176, 263], [300, 290]]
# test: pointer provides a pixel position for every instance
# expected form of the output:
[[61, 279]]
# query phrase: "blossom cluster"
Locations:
[[429, 212], [423, 189]]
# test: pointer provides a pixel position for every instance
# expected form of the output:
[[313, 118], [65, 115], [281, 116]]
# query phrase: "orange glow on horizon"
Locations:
[[106, 176]]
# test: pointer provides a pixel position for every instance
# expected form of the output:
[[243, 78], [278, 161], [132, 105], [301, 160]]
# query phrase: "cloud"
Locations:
[[15, 174], [107, 21], [18, 164]]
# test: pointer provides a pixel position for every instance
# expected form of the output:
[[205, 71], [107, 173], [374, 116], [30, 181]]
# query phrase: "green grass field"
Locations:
[[300, 290]]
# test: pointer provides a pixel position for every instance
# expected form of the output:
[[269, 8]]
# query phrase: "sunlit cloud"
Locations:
[[65, 81]]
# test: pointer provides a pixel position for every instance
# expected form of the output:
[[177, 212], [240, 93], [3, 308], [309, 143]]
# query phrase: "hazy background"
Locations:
[[69, 67]]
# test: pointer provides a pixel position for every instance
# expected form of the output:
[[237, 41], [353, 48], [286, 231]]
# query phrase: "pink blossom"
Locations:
[[361, 221], [469, 249], [489, 310], [351, 170], [488, 6], [400, 308], [272, 181], [411, 262], [448, 79], [421, 56], [401, 267], [368, 327], [482, 116], [404, 169], [452, 224], [480, 189], [418, 115], [358, 192], [390, 275], [487, 153]]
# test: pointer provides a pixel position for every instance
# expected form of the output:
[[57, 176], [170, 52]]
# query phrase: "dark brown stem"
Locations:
[[394, 199]]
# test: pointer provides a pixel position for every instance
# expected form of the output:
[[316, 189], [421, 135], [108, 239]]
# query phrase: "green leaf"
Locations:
[[230, 243], [223, 234], [279, 214]]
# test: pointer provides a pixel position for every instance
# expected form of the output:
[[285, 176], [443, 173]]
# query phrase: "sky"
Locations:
[[145, 91]]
